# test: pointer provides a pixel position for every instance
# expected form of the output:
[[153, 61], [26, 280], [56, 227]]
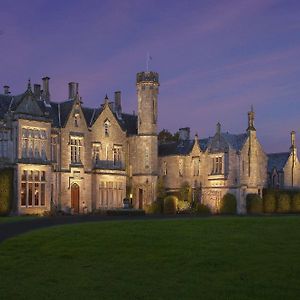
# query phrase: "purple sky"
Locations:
[[215, 58]]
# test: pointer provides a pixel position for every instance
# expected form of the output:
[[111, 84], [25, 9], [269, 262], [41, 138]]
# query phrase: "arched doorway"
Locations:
[[75, 197]]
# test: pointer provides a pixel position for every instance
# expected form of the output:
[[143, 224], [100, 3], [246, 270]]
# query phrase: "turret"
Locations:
[[147, 84]]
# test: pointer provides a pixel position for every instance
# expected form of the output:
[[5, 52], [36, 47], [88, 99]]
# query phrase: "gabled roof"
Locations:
[[236, 141], [129, 123], [277, 161], [180, 147]]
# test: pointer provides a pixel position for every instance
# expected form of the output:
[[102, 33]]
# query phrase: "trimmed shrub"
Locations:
[[154, 208], [170, 204], [269, 202], [295, 203], [202, 209], [6, 191], [284, 203], [183, 206], [254, 204], [228, 204], [185, 192]]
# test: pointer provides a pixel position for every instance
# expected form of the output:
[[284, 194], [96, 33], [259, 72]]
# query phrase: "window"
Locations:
[[106, 127], [117, 155], [147, 158], [3, 144], [110, 194], [196, 166], [33, 191], [96, 151], [165, 169], [54, 148], [34, 143], [76, 149], [217, 165], [180, 167]]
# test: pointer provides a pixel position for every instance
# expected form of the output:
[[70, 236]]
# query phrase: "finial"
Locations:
[[106, 99], [251, 115], [293, 138], [29, 84], [218, 128]]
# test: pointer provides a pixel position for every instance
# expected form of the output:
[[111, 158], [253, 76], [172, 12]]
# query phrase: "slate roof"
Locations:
[[235, 141], [59, 112], [277, 161], [180, 147]]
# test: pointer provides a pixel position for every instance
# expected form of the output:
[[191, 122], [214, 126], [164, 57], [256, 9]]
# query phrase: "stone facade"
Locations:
[[79, 159]]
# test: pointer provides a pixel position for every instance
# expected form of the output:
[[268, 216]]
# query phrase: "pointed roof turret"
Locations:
[[251, 116], [29, 85]]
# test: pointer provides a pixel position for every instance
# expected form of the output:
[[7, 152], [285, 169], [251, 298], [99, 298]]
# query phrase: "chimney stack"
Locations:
[[184, 134], [37, 91], [6, 90], [73, 89], [46, 93], [118, 105]]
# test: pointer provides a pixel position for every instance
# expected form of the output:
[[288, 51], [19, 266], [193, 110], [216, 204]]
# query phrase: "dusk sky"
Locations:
[[215, 58]]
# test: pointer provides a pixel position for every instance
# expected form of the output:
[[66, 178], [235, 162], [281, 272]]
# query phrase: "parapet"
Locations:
[[150, 77]]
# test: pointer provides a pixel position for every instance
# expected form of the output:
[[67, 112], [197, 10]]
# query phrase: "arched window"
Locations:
[[106, 126]]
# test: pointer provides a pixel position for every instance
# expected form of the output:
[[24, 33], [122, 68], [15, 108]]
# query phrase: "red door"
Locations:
[[75, 197]]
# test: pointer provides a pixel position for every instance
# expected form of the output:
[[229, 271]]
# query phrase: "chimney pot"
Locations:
[[6, 90], [73, 89], [37, 90], [46, 92], [184, 133]]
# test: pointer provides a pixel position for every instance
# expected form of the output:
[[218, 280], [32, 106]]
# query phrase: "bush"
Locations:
[[154, 208], [284, 203], [295, 204], [228, 204], [269, 202], [170, 204], [254, 204], [183, 206], [202, 209], [124, 212], [6, 195]]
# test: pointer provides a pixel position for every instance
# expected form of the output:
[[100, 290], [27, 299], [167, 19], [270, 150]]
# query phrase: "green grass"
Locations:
[[16, 219], [209, 258]]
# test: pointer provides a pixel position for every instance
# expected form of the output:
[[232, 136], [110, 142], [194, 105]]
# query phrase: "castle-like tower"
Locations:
[[145, 169]]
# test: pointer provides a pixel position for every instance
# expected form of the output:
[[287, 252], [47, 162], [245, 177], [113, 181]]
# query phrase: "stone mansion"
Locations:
[[70, 156]]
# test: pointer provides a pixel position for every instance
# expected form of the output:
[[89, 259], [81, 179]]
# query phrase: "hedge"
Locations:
[[6, 191], [228, 204], [284, 203], [155, 207], [269, 202], [202, 209], [254, 204], [170, 205], [295, 203]]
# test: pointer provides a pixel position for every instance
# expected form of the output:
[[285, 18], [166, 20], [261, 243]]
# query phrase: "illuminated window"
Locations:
[[76, 149], [217, 167], [33, 188], [96, 151], [117, 155], [3, 144], [34, 143]]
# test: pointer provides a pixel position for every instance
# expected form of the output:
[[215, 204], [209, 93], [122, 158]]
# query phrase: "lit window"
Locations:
[[33, 188], [117, 155], [76, 149], [217, 167], [96, 152]]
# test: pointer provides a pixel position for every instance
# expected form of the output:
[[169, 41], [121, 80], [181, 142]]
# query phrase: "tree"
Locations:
[[160, 190], [166, 136]]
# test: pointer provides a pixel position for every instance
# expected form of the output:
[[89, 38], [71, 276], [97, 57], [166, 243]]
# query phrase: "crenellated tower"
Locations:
[[145, 168]]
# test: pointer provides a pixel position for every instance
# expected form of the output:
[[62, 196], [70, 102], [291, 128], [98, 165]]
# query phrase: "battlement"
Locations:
[[147, 77]]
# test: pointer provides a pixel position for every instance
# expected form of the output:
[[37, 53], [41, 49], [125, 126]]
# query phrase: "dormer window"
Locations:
[[106, 128], [96, 152], [217, 165]]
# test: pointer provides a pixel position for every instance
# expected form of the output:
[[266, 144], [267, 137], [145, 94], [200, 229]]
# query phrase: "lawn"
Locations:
[[16, 219], [205, 258]]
